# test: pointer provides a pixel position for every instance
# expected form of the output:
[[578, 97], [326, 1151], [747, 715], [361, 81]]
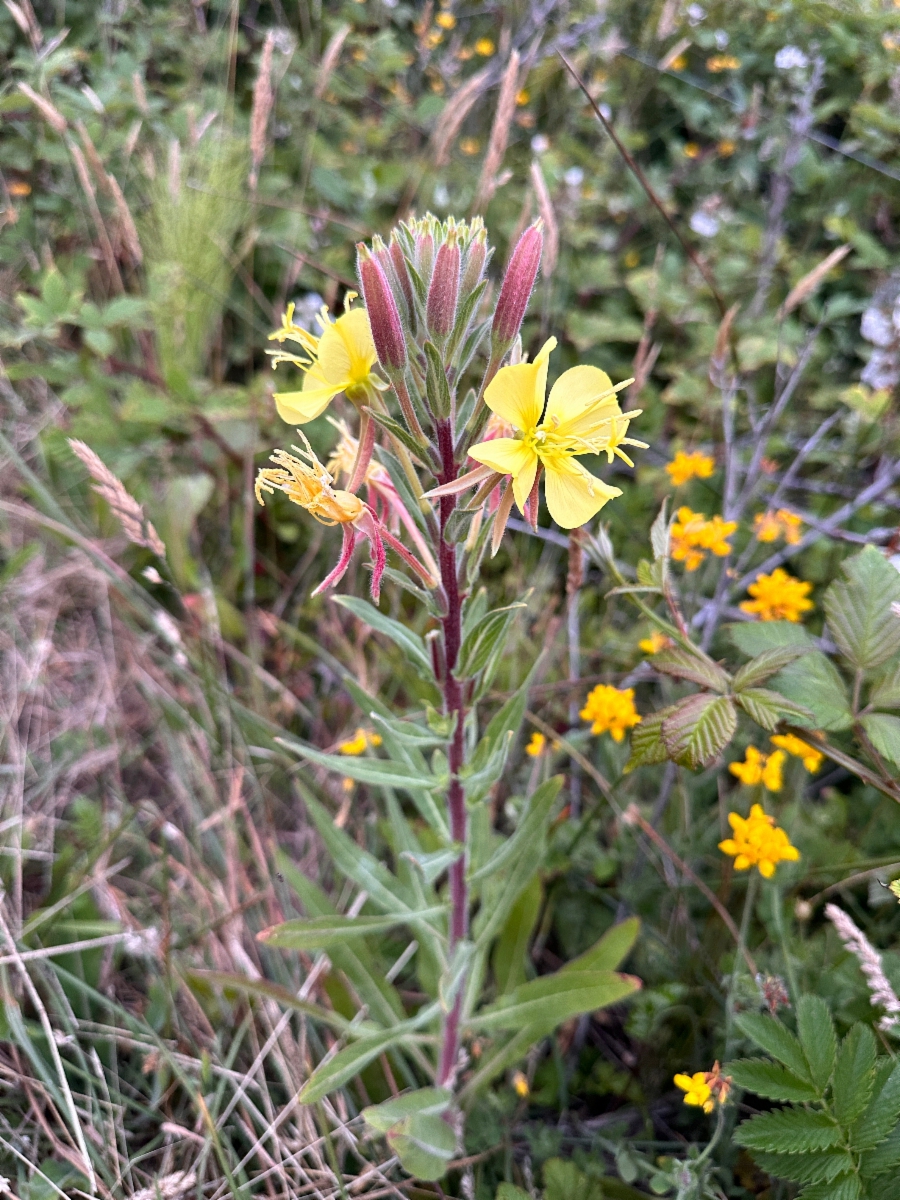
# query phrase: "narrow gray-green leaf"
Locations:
[[408, 641]]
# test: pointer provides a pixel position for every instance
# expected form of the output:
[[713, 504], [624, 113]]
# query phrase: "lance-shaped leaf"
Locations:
[[883, 732], [378, 771], [547, 1001], [767, 708], [437, 388], [318, 933], [606, 954], [859, 612], [770, 1080], [478, 644], [692, 665], [699, 729], [761, 668], [395, 429], [408, 641], [659, 532], [789, 1130]]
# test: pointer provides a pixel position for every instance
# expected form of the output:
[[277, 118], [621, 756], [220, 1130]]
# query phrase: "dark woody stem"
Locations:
[[454, 705]]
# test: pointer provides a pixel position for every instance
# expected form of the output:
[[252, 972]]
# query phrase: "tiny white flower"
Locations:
[[722, 39], [789, 57], [540, 144], [151, 575], [704, 223], [695, 14], [574, 177]]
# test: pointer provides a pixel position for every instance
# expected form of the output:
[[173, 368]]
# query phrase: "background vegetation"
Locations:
[[172, 175]]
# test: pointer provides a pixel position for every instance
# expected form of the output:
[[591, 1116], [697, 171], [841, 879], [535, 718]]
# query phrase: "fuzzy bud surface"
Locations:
[[517, 287]]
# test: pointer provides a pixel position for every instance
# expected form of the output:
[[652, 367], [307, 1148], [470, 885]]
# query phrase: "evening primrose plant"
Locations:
[[454, 426]]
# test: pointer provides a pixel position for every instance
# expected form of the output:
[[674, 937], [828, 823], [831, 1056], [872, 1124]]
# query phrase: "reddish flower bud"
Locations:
[[384, 317], [475, 263], [401, 274], [517, 287], [443, 293], [424, 253]]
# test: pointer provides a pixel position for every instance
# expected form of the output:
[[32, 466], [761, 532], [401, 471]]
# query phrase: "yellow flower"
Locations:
[[811, 758], [610, 710], [771, 526], [523, 97], [341, 360], [758, 842], [582, 416], [520, 1085], [359, 743], [654, 643], [485, 47], [691, 150], [726, 147], [18, 187], [469, 145], [536, 746], [689, 466], [697, 1091], [722, 62], [678, 63], [778, 597], [308, 484], [691, 536], [760, 768], [632, 258], [446, 20]]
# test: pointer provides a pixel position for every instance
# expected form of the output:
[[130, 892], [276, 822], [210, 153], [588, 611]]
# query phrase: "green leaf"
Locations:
[[882, 1112], [883, 732], [424, 1143], [427, 1101], [767, 708], [201, 980], [612, 949], [756, 637], [859, 609], [817, 1037], [409, 642], [647, 745], [531, 827], [770, 1035], [378, 771], [509, 1191], [854, 1074], [843, 1187], [511, 949], [692, 665], [885, 1156], [814, 682], [819, 1167], [885, 691], [789, 1131], [659, 532], [758, 670], [563, 1180], [770, 1080], [334, 1072], [698, 729], [431, 866], [395, 429], [436, 385], [479, 643], [318, 933], [551, 999]]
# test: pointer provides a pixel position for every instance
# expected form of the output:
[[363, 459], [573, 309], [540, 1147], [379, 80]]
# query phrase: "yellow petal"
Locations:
[[355, 332], [517, 393], [684, 1082], [575, 395], [299, 407], [573, 494], [766, 868], [509, 456]]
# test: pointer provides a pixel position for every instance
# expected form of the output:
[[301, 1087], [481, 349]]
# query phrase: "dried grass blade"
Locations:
[[805, 287]]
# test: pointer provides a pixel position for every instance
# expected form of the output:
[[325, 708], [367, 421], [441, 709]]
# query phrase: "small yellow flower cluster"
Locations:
[[726, 147], [692, 536], [705, 1089], [690, 466], [770, 526], [778, 597], [811, 758], [760, 768], [520, 1085], [758, 842], [678, 63], [485, 47], [359, 743], [536, 746], [691, 150], [722, 62], [654, 643], [469, 145], [610, 710]]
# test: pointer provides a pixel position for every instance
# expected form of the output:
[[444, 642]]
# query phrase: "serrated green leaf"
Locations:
[[814, 682], [547, 1001], [859, 609], [693, 665], [764, 665], [885, 691], [817, 1037], [767, 708], [768, 1079], [819, 1167], [882, 1112], [842, 1187], [757, 637], [883, 731], [770, 1035], [429, 1101], [885, 1156], [319, 933], [789, 1131], [854, 1074], [647, 745], [409, 642], [698, 729]]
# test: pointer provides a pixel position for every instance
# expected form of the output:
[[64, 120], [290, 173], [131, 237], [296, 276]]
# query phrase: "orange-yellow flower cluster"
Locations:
[[722, 62], [758, 842], [760, 768], [535, 747], [689, 466], [770, 526], [705, 1089], [811, 757], [654, 643], [778, 597], [360, 742], [610, 711], [691, 536]]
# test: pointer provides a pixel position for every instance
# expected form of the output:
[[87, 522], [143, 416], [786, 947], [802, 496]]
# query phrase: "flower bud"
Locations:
[[475, 263], [424, 251], [516, 289], [384, 317], [401, 274], [443, 292]]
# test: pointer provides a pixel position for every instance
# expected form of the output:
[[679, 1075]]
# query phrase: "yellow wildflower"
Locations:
[[760, 768], [308, 484], [811, 758], [522, 97], [697, 1091], [446, 20], [778, 597], [722, 62], [689, 466], [485, 47], [469, 145], [654, 643], [691, 150], [359, 743], [691, 536], [631, 260], [340, 360], [726, 147], [758, 842], [18, 187], [536, 746], [582, 416], [610, 710], [520, 1085], [770, 526], [678, 63]]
